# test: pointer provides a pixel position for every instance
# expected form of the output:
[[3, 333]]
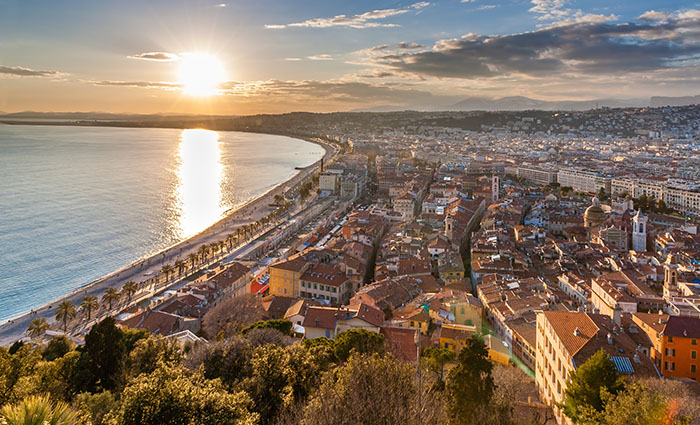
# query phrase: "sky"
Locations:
[[273, 56]]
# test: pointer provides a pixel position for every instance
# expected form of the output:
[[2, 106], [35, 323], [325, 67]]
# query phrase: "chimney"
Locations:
[[636, 358], [610, 338]]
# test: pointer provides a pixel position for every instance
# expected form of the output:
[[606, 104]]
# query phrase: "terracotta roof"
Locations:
[[564, 325], [320, 317], [682, 327], [401, 341]]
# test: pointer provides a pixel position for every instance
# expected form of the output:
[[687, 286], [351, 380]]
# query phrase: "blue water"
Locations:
[[77, 203]]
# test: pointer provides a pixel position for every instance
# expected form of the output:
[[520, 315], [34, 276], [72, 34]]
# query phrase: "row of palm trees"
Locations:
[[67, 311]]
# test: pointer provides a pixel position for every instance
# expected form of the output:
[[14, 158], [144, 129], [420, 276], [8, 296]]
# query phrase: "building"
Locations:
[[639, 232], [330, 180], [675, 343], [565, 340], [538, 175], [584, 181]]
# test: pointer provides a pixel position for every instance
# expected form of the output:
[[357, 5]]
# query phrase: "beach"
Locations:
[[146, 268]]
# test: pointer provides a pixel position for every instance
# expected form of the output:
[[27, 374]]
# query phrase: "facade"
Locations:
[[639, 232], [675, 343], [679, 195], [330, 180], [584, 181], [538, 175]]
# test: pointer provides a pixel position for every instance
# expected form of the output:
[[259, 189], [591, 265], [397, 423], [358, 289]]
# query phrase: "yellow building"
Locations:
[[498, 352], [416, 319], [285, 276], [453, 337]]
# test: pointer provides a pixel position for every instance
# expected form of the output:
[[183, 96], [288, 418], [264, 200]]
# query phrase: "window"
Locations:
[[692, 368], [670, 339], [693, 354], [693, 342], [315, 286], [302, 284]]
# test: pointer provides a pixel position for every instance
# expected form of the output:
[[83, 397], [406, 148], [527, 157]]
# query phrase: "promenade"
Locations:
[[144, 270]]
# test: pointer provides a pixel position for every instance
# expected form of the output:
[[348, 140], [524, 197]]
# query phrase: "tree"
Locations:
[[636, 404], [203, 252], [89, 304], [469, 384], [65, 312], [166, 270], [231, 315], [366, 389], [361, 341], [282, 325], [110, 297], [228, 361], [174, 396], [585, 385], [94, 408], [58, 347], [180, 266], [192, 257], [16, 370], [37, 327], [38, 410], [129, 289], [149, 352], [101, 363], [436, 359]]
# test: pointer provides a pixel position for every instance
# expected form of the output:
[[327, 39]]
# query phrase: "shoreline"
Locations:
[[14, 327]]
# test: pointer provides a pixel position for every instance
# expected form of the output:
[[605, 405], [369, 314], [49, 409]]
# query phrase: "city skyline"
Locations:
[[335, 56]]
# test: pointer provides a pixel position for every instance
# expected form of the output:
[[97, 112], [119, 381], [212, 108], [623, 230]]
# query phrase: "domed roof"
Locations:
[[594, 215]]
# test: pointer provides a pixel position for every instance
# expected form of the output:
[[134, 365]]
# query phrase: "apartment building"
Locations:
[[538, 175], [584, 181]]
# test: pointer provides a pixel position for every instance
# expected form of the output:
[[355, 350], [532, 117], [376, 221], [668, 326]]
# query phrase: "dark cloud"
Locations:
[[156, 56], [409, 46], [579, 47], [27, 72]]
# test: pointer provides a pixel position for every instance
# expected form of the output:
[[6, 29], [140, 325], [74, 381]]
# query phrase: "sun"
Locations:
[[200, 74]]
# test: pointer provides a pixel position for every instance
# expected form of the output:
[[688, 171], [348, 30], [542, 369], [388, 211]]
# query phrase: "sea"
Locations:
[[77, 203]]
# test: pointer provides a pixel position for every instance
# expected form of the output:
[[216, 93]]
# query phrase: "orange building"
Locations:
[[675, 340]]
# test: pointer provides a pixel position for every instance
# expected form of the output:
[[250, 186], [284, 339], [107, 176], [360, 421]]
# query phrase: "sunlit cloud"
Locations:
[[321, 58], [20, 71], [140, 84], [557, 12], [156, 56], [292, 59], [364, 20]]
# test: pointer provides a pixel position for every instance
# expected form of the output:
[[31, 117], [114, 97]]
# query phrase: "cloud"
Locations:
[[321, 58], [156, 56], [653, 15], [21, 71], [486, 7], [555, 10], [590, 48], [365, 20], [140, 84], [292, 59], [409, 46]]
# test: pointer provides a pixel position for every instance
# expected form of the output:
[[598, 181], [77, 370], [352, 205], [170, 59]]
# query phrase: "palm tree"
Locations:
[[222, 244], [38, 410], [110, 296], [89, 304], [180, 266], [192, 257], [37, 327], [204, 252], [167, 269], [213, 247], [130, 289], [229, 240], [65, 312]]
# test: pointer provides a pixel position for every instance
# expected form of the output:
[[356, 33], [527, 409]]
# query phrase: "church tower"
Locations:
[[495, 186], [639, 232]]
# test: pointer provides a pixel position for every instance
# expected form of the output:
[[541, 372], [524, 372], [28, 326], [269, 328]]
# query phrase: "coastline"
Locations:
[[14, 328]]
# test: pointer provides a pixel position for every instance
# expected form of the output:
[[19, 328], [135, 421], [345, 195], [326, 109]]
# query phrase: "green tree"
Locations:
[[175, 396], [469, 384], [166, 270], [359, 340], [365, 390], [586, 384], [89, 304], [149, 352], [129, 289], [38, 410], [110, 297], [436, 359], [16, 370], [65, 312], [37, 327], [57, 347], [282, 325], [228, 361], [633, 405], [101, 365], [94, 408]]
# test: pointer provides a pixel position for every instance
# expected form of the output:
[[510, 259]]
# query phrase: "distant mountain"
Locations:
[[657, 101], [519, 103], [87, 116]]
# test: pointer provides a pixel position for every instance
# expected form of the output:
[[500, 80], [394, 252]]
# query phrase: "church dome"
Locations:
[[594, 215]]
